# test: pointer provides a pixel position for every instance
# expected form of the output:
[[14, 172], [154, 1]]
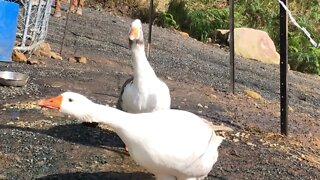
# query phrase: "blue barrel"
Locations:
[[9, 12]]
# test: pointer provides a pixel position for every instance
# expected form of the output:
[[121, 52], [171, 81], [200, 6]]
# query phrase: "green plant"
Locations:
[[167, 20], [205, 21]]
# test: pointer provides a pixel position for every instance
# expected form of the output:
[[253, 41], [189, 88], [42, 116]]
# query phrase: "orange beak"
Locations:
[[133, 33], [52, 103]]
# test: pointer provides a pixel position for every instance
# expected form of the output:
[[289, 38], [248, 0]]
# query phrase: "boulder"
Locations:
[[255, 44]]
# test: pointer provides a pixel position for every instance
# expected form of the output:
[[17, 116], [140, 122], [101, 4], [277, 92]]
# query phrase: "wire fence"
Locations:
[[303, 29], [32, 24]]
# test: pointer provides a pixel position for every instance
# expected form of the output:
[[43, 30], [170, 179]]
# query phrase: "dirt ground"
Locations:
[[43, 144]]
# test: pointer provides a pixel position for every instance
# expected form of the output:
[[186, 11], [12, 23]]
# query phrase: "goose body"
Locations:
[[172, 144], [144, 92]]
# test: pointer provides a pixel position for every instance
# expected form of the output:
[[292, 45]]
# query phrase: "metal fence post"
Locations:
[[284, 68], [231, 44], [150, 27]]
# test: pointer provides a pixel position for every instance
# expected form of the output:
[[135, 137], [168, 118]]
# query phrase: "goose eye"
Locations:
[[70, 100]]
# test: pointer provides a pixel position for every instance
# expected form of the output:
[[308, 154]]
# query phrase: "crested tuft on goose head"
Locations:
[[136, 33], [70, 103]]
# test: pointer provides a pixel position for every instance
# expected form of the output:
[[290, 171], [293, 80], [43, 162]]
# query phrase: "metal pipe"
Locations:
[[64, 32], [45, 23], [24, 38], [231, 45], [36, 29], [150, 27], [284, 68]]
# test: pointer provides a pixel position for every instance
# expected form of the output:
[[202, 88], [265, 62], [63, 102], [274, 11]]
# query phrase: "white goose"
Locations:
[[145, 92], [171, 144]]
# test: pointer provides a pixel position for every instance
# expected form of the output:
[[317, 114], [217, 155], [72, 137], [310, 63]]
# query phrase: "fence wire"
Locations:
[[32, 24], [303, 29]]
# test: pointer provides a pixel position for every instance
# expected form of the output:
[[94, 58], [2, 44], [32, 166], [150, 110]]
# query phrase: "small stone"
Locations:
[[200, 105], [18, 56], [55, 56], [169, 78], [45, 54], [290, 109], [45, 47], [81, 59], [3, 177], [72, 60], [32, 62], [251, 144], [37, 53], [253, 94], [212, 96], [184, 34], [235, 140], [237, 134], [206, 107]]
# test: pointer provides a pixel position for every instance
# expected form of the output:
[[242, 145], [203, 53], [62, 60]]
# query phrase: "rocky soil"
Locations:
[[43, 144]]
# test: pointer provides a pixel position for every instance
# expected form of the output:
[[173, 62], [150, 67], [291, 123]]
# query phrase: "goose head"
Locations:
[[136, 33], [70, 103]]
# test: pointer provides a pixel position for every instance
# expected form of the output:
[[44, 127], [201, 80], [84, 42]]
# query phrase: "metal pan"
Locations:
[[8, 78]]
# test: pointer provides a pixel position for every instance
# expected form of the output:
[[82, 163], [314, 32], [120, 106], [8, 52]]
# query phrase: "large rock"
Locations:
[[255, 44]]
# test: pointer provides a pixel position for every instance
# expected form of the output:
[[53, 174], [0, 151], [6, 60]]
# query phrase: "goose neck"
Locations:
[[142, 68], [108, 115]]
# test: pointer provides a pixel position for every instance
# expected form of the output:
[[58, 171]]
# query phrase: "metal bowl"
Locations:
[[8, 78]]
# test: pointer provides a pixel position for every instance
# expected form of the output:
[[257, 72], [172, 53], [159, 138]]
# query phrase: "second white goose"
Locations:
[[145, 92]]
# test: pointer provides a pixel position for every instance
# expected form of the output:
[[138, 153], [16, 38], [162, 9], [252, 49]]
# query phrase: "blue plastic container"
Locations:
[[9, 12]]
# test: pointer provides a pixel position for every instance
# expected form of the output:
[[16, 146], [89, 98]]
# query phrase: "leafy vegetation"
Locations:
[[200, 18]]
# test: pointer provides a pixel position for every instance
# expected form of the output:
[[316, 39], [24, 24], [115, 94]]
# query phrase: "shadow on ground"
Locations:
[[77, 133], [99, 175]]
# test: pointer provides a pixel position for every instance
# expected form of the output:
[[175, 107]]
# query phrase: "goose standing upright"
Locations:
[[171, 144], [145, 92]]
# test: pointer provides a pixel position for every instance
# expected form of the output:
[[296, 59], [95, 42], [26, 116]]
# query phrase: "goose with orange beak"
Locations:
[[144, 92], [171, 144]]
